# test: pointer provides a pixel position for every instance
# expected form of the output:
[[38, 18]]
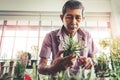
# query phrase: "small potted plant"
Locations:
[[72, 47], [102, 69], [19, 71], [11, 63]]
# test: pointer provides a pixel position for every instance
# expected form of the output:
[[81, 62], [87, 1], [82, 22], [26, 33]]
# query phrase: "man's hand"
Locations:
[[62, 63], [86, 62]]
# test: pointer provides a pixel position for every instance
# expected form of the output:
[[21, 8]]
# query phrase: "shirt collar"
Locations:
[[80, 32]]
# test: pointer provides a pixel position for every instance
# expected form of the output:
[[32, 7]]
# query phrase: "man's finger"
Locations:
[[88, 64], [69, 57], [59, 53]]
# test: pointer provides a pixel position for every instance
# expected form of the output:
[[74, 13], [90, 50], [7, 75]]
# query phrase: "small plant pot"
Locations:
[[11, 63], [33, 61], [2, 64]]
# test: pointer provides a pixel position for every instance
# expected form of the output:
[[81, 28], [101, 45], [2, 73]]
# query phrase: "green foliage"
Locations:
[[114, 48], [104, 43], [19, 69], [115, 57], [102, 66], [5, 77], [34, 72], [65, 75], [72, 47]]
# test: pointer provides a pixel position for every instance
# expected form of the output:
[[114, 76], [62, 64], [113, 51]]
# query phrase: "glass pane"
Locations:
[[102, 24], [44, 31], [21, 33], [57, 23], [32, 33], [56, 27], [45, 23], [91, 23], [7, 47], [30, 44], [20, 44], [9, 31]]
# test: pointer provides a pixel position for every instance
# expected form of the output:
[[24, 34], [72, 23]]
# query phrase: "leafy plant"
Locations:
[[34, 73], [102, 66], [115, 57], [72, 47], [79, 76], [19, 69], [104, 43]]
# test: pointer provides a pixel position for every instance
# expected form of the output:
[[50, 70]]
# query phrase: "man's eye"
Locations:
[[68, 17], [78, 17]]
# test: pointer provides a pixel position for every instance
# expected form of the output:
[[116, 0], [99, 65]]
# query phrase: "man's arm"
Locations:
[[59, 64], [43, 68]]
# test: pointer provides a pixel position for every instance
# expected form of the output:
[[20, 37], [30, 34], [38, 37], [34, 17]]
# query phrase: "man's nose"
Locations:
[[74, 21]]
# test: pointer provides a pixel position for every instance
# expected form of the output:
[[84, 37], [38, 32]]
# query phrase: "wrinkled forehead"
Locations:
[[74, 12]]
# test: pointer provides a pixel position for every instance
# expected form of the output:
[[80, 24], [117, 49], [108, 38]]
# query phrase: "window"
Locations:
[[24, 32]]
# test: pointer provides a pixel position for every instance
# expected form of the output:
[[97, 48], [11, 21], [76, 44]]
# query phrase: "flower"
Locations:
[[27, 77], [24, 56], [104, 43]]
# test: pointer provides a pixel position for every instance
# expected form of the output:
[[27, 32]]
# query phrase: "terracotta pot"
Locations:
[[11, 63], [2, 64], [33, 61]]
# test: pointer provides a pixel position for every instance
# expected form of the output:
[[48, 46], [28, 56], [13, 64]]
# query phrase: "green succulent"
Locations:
[[72, 47]]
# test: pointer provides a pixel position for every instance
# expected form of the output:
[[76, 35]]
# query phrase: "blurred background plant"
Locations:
[[66, 76], [109, 57], [102, 66], [115, 57], [19, 70], [34, 53]]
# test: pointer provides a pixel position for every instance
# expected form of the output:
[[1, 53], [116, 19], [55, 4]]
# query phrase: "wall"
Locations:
[[52, 5], [115, 17], [111, 6]]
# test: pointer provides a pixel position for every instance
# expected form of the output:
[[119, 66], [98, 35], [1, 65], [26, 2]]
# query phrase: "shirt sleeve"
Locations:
[[46, 47]]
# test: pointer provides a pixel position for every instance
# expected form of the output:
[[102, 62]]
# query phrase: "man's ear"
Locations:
[[61, 16]]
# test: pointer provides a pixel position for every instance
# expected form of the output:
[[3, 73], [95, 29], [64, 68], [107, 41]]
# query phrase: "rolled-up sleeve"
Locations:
[[46, 47]]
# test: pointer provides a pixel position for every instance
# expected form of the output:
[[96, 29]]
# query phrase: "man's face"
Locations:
[[72, 19]]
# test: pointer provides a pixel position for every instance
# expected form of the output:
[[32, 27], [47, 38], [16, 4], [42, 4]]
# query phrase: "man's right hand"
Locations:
[[58, 64], [62, 63]]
